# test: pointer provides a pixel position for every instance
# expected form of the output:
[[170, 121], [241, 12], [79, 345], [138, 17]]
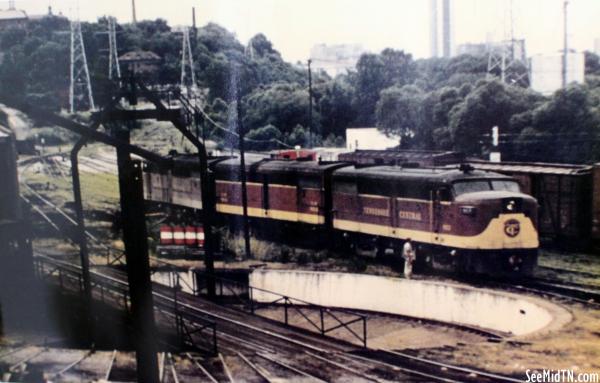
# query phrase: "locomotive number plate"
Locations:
[[512, 227]]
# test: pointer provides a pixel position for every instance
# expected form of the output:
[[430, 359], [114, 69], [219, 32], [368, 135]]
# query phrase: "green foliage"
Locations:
[[398, 110], [435, 103], [283, 105], [490, 104], [375, 73], [263, 138]]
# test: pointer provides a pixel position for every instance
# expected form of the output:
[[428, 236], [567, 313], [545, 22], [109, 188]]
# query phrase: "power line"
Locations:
[[235, 134]]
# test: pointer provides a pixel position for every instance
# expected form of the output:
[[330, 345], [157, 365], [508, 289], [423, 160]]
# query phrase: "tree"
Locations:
[[592, 64], [264, 138], [335, 106], [261, 46], [399, 111], [375, 73], [490, 104], [283, 105]]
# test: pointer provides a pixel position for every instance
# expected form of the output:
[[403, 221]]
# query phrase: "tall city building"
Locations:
[[336, 59], [440, 28]]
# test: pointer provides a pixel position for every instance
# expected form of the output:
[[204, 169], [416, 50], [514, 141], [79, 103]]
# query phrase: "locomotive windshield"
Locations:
[[472, 186]]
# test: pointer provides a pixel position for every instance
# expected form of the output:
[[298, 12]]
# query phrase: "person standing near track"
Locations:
[[408, 253]]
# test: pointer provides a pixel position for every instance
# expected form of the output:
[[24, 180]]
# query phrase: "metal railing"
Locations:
[[243, 296]]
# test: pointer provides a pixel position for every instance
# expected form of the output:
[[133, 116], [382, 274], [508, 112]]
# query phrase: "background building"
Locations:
[[546, 71], [12, 18], [440, 24], [369, 138], [336, 59]]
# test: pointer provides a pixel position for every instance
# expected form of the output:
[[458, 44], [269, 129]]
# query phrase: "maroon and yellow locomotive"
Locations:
[[465, 219]]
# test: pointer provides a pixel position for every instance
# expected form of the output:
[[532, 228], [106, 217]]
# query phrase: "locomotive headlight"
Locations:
[[467, 210], [510, 206]]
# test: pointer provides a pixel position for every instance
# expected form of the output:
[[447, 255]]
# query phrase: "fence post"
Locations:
[[215, 349], [250, 290], [364, 331], [285, 305], [322, 321]]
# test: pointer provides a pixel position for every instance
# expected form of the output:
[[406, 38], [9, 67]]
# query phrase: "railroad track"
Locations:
[[269, 350], [260, 346], [571, 292]]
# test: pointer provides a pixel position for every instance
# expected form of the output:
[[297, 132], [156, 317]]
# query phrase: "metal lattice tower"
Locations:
[[249, 51], [113, 56], [188, 75], [81, 86], [508, 61]]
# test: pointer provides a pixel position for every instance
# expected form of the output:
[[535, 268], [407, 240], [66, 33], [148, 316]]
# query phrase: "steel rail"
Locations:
[[406, 370], [346, 368], [289, 367], [495, 377], [226, 368], [201, 368], [110, 365], [255, 368], [73, 364]]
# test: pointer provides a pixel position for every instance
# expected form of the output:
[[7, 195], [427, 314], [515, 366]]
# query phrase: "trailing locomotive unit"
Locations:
[[464, 219]]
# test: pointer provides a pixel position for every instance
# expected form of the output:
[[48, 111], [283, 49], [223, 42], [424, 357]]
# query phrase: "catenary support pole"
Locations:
[[138, 264], [310, 107], [243, 174]]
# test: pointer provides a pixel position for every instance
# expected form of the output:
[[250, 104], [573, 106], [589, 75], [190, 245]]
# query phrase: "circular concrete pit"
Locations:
[[454, 303]]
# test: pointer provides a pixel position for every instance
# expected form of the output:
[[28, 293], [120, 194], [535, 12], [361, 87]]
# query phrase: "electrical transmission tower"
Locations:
[[188, 75], [508, 59], [81, 86], [113, 55], [250, 51]]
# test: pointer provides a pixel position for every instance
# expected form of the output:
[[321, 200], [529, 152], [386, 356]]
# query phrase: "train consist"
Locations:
[[461, 218]]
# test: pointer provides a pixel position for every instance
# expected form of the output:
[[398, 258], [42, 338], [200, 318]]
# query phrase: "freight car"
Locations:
[[465, 219], [568, 197]]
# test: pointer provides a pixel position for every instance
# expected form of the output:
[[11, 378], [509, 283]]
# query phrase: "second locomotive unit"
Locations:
[[460, 218]]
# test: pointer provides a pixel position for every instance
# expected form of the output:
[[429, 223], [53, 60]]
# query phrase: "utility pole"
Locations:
[[113, 56], [80, 75], [310, 106], [243, 177], [194, 22], [566, 47], [134, 17]]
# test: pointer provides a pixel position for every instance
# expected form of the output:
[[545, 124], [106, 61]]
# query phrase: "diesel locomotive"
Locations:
[[462, 219]]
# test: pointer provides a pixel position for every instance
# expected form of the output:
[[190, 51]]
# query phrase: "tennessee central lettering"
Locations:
[[376, 211], [410, 215]]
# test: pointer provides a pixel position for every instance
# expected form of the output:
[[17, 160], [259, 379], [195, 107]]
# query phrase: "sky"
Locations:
[[294, 26]]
